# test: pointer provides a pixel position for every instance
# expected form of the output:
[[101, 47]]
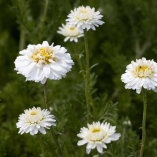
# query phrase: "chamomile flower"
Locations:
[[34, 120], [40, 62], [142, 73], [84, 18], [70, 33], [97, 135]]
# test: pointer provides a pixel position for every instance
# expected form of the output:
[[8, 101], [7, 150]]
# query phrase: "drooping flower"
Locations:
[[97, 135], [84, 18], [70, 33], [42, 61], [142, 73], [34, 120]]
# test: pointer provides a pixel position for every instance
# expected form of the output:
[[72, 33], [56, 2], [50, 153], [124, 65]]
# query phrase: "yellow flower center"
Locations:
[[44, 54], [143, 71], [72, 28], [83, 11], [96, 134], [34, 113], [96, 130]]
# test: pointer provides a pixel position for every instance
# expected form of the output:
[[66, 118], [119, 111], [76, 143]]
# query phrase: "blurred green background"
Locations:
[[129, 32]]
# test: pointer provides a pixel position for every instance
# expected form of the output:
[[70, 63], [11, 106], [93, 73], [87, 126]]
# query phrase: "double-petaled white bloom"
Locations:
[[84, 18], [142, 73], [34, 120], [70, 33], [42, 61], [97, 135]]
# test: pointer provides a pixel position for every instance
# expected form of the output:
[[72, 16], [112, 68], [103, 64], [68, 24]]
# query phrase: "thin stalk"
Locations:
[[52, 132], [83, 75], [41, 144], [109, 153], [45, 95], [41, 23], [66, 153], [44, 14], [123, 139], [78, 60], [87, 75], [22, 40], [144, 122], [45, 10], [22, 35], [56, 141], [93, 105]]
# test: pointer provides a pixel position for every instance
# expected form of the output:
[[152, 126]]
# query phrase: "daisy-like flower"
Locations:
[[34, 120], [97, 135], [142, 73], [84, 18], [70, 33], [42, 61]]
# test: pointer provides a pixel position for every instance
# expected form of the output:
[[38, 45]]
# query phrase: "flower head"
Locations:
[[97, 135], [71, 33], [42, 61], [142, 73], [34, 120], [127, 122], [84, 18]]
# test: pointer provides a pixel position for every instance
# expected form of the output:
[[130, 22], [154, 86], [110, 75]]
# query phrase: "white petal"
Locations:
[[99, 148], [45, 43], [81, 142], [46, 69], [115, 136], [155, 90], [88, 151]]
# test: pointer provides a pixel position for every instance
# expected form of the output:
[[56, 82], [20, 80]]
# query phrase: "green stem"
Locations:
[[41, 144], [65, 150], [109, 153], [123, 140], [22, 35], [87, 75], [52, 132], [93, 105], [45, 95], [78, 60], [44, 14], [45, 10], [83, 75], [56, 141], [22, 40], [41, 23], [144, 122]]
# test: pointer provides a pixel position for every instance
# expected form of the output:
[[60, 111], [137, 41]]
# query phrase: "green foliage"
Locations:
[[128, 33]]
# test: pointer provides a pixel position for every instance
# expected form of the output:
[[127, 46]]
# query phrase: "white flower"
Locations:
[[42, 61], [97, 135], [34, 120], [142, 73], [84, 18], [71, 33]]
